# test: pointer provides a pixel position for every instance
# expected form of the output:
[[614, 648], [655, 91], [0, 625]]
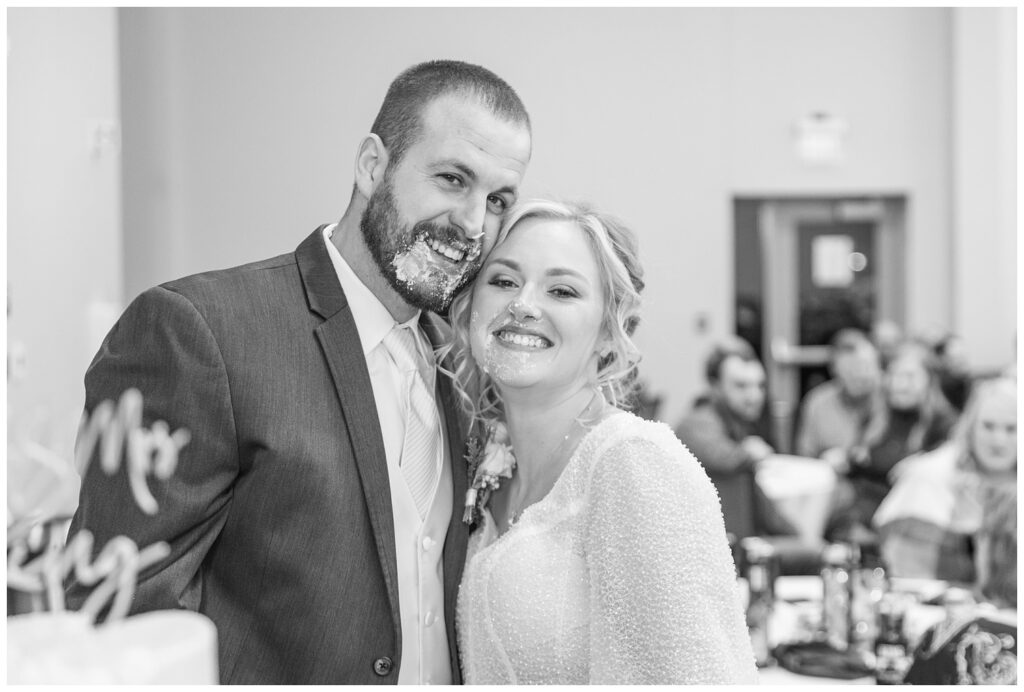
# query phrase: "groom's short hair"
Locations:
[[399, 122]]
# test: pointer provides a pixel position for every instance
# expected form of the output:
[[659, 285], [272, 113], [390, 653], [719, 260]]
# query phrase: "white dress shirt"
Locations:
[[418, 542]]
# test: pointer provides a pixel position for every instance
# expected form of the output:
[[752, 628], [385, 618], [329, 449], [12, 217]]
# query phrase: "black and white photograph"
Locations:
[[511, 345]]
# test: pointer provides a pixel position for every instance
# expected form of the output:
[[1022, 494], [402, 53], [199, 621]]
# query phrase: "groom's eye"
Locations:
[[451, 179], [498, 204]]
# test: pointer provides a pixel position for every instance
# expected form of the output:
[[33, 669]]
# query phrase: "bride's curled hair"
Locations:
[[616, 252]]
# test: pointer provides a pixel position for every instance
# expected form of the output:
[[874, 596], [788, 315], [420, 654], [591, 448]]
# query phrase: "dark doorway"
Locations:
[[805, 268]]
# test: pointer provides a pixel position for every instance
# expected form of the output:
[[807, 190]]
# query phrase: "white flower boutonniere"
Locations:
[[487, 464]]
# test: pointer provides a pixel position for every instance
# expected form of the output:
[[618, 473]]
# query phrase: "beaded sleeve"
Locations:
[[665, 605]]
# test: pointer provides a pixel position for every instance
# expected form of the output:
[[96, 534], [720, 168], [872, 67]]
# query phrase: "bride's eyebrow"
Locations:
[[564, 271], [553, 272], [511, 264]]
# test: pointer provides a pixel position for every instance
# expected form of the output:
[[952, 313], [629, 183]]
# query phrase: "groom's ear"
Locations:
[[371, 162]]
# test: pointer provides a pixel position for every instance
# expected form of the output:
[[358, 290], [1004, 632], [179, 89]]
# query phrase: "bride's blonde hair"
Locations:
[[616, 252]]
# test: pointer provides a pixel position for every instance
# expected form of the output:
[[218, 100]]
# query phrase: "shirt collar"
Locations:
[[373, 321]]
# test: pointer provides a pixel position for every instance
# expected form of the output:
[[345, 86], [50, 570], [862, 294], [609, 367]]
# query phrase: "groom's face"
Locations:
[[436, 213]]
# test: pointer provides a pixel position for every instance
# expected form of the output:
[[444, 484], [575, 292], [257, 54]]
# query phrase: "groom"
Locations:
[[315, 516]]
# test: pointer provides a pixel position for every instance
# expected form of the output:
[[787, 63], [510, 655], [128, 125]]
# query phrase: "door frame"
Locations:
[[779, 219]]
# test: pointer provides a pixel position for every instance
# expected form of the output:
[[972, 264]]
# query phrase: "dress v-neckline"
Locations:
[[489, 518]]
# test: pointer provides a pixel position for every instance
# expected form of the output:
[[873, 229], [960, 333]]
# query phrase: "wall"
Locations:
[[984, 184], [250, 119], [885, 72], [64, 278]]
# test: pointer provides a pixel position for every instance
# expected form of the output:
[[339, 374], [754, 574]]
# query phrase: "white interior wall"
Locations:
[[658, 115], [64, 254], [886, 73], [984, 190]]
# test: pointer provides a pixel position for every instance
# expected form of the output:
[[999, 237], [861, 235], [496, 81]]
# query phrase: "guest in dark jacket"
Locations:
[[726, 429]]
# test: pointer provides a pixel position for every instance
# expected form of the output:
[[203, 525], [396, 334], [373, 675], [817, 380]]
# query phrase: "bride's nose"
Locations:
[[524, 308]]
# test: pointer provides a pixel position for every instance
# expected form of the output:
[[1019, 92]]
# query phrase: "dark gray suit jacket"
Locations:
[[279, 513]]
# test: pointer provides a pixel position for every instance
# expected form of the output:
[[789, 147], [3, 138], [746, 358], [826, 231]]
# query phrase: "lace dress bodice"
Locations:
[[621, 574]]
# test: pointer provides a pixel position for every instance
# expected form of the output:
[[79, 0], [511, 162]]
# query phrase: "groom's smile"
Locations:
[[448, 243]]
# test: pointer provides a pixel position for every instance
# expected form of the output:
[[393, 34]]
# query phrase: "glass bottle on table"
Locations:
[[839, 560], [892, 649], [870, 583], [759, 559]]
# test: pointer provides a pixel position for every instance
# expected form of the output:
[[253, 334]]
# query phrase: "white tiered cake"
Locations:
[[175, 647], [57, 646]]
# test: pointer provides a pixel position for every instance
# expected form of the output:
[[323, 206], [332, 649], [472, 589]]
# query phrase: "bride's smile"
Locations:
[[517, 338]]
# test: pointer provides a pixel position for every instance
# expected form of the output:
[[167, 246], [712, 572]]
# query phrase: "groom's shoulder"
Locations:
[[254, 279], [243, 292], [239, 277]]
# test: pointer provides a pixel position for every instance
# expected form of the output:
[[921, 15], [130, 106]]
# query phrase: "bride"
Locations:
[[599, 554]]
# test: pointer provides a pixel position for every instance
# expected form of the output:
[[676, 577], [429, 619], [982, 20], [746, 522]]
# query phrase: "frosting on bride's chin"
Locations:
[[505, 366]]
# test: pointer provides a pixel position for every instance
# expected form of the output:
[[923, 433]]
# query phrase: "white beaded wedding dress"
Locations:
[[621, 574]]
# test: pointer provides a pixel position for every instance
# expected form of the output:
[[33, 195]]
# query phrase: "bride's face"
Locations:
[[536, 316]]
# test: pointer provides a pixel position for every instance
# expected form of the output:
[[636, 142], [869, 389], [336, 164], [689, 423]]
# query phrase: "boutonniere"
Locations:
[[488, 462]]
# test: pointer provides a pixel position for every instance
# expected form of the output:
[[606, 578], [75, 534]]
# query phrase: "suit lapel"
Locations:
[[343, 351], [458, 533]]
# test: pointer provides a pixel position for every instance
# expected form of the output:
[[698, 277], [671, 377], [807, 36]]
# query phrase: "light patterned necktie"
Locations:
[[422, 445]]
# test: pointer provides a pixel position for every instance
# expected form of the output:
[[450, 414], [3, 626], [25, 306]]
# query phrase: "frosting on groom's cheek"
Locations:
[[417, 267]]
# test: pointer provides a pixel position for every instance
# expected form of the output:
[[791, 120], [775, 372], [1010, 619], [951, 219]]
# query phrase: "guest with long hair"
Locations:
[[951, 510], [916, 418]]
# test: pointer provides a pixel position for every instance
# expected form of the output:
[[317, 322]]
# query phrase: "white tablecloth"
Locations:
[[801, 489]]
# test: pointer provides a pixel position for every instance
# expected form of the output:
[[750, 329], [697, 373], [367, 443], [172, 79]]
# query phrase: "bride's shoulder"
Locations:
[[635, 460], [625, 441]]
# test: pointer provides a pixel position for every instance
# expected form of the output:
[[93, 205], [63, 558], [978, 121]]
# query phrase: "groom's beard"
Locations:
[[419, 275]]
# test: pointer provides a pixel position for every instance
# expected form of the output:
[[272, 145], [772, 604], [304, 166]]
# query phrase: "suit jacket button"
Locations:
[[383, 665]]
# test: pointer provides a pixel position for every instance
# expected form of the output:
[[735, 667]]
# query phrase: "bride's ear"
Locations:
[[604, 347], [606, 344]]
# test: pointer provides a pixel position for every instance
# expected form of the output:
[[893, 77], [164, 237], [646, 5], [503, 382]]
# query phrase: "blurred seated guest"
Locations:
[[916, 418], [834, 415], [995, 545], [989, 490], [887, 337], [953, 371], [726, 429], [728, 433], [942, 500]]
